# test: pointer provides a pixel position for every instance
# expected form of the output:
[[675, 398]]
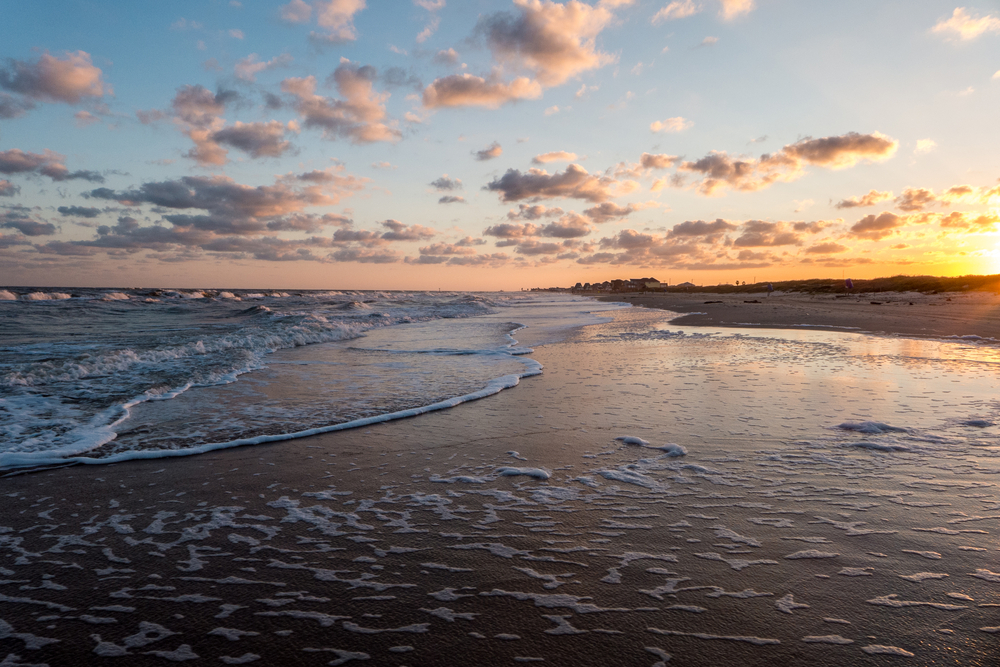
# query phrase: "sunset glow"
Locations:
[[496, 144]]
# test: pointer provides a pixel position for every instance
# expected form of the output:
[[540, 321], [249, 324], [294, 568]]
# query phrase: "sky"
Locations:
[[496, 144]]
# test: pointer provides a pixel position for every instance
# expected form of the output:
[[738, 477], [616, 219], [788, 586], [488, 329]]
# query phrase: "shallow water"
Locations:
[[830, 499], [117, 375]]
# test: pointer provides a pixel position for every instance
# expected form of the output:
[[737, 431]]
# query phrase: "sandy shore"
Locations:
[[905, 314], [406, 543]]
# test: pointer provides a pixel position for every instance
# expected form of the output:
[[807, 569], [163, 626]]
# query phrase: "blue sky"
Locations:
[[495, 144]]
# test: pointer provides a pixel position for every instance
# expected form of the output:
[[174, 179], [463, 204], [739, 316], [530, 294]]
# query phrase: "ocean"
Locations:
[[648, 494], [110, 375]]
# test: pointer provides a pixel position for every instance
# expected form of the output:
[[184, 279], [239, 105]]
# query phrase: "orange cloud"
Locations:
[[719, 170], [827, 248], [679, 9], [359, 116], [537, 184], [733, 8], [256, 139], [877, 227], [871, 199], [970, 222], [459, 90], [335, 17], [51, 79], [552, 41], [248, 68], [676, 124], [554, 156], [494, 150], [49, 163], [965, 26], [555, 41]]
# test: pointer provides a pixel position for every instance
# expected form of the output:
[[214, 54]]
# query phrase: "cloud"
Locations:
[[14, 107], [843, 151], [396, 77], [965, 26], [296, 11], [447, 249], [532, 247], [29, 227], [248, 68], [533, 212], [400, 232], [8, 189], [200, 107], [445, 183], [970, 222], [877, 227], [334, 17], [675, 124], [217, 215], [430, 5], [362, 236], [700, 228], [199, 110], [149, 117], [446, 57], [16, 217], [80, 211], [85, 118], [428, 30], [657, 160], [676, 10], [359, 116], [236, 33], [233, 208], [758, 233], [451, 199], [506, 230], [708, 41], [538, 184], [570, 226], [918, 199], [915, 199], [609, 211], [366, 256], [554, 156], [554, 41], [52, 79], [873, 197], [827, 248], [49, 163], [748, 175], [467, 90], [733, 8], [925, 146], [256, 139], [492, 151]]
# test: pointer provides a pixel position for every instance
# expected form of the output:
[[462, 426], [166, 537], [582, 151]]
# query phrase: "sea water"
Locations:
[[116, 374], [699, 496]]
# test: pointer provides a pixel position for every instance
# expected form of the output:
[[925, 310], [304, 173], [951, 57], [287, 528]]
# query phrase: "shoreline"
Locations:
[[908, 314], [389, 541]]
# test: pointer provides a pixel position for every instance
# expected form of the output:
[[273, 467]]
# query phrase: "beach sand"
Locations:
[[406, 543], [894, 313]]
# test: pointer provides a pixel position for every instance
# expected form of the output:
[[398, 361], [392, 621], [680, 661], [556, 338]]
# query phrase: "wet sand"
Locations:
[[408, 543], [893, 313]]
